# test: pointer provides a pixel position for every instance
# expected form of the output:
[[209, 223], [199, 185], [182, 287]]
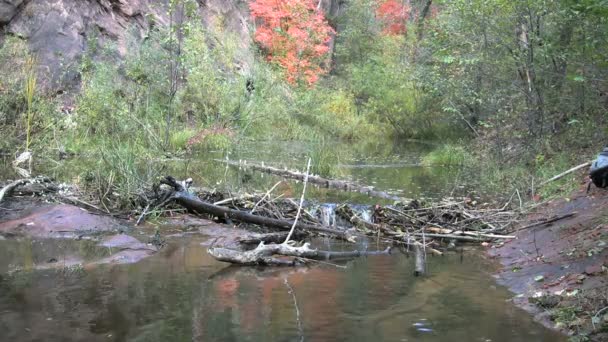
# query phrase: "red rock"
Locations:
[[593, 270], [61, 220]]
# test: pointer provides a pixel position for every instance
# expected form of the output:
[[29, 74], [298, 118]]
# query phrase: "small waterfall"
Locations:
[[326, 213], [363, 211]]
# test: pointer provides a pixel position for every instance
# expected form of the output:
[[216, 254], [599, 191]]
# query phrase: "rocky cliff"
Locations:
[[59, 32]]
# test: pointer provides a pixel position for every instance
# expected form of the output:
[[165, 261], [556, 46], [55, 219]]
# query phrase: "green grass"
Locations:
[[447, 155], [324, 160], [179, 139]]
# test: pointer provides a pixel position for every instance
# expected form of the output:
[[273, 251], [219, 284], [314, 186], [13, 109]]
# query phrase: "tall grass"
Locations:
[[447, 155], [324, 157], [30, 92]]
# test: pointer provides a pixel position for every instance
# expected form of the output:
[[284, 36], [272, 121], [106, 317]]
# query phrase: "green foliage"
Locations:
[[447, 155], [13, 55], [30, 92], [333, 114], [25, 109], [547, 168], [526, 79], [102, 108], [215, 91], [122, 171], [179, 139], [217, 141], [324, 159]]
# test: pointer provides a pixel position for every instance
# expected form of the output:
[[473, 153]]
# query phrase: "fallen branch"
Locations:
[[321, 181], [489, 236], [264, 197], [295, 221], [348, 214], [265, 254], [578, 167], [194, 204], [277, 237], [455, 237], [8, 189], [547, 221], [36, 182]]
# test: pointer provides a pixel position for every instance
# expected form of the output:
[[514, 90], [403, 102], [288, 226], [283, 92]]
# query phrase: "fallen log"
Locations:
[[318, 180], [265, 254], [277, 237], [193, 204]]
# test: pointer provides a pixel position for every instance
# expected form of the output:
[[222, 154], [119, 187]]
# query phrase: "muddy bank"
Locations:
[[558, 271]]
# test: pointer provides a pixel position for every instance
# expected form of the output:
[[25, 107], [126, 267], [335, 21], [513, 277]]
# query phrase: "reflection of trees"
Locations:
[[174, 297]]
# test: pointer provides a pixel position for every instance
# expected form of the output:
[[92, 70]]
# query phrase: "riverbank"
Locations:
[[558, 271]]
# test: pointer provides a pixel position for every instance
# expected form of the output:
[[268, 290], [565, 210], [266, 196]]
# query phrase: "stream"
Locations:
[[50, 290]]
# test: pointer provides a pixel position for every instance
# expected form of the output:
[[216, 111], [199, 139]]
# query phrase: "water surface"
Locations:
[[50, 291], [182, 294]]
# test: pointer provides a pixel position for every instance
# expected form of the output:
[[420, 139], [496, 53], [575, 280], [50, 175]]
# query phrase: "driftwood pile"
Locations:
[[421, 225], [286, 224]]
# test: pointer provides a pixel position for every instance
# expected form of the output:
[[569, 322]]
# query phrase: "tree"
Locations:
[[394, 15], [295, 35]]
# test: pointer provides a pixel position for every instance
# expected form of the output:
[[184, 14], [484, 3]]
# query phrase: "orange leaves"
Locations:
[[295, 35], [394, 15]]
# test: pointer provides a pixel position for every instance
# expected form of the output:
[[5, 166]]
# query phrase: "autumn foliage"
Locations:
[[295, 35], [394, 15]]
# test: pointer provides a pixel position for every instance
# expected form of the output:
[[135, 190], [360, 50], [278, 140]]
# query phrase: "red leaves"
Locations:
[[394, 15], [295, 35]]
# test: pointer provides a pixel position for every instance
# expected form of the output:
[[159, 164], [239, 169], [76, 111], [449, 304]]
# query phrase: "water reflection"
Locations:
[[181, 294]]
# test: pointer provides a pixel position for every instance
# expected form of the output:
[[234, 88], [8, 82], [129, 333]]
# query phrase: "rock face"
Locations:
[[59, 32]]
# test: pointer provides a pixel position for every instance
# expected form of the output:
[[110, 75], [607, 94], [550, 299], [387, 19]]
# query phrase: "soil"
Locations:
[[559, 271]]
